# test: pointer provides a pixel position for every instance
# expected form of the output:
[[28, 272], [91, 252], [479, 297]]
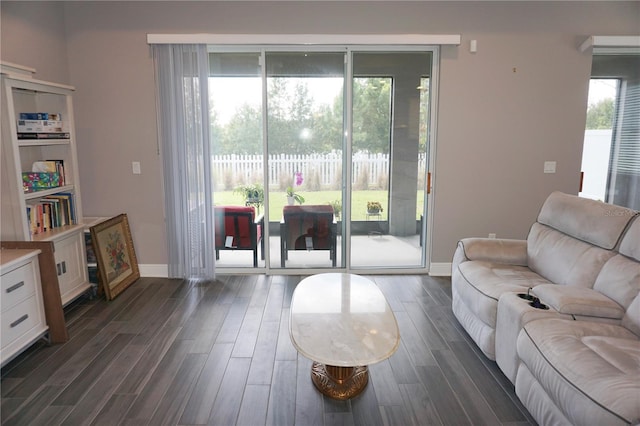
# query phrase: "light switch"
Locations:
[[549, 166], [136, 167]]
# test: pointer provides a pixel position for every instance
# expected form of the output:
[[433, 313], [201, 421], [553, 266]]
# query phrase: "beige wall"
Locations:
[[496, 126]]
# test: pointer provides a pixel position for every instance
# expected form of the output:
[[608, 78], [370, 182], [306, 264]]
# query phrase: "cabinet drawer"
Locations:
[[17, 285], [21, 319]]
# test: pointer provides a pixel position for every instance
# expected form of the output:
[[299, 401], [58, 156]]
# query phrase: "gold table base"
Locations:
[[339, 382]]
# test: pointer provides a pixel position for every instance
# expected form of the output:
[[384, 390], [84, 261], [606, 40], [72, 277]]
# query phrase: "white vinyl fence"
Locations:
[[320, 171]]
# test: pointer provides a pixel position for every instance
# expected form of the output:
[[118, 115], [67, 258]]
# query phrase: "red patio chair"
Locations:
[[308, 227], [237, 228]]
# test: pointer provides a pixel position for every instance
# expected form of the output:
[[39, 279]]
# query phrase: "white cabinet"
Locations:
[[54, 213], [71, 267], [22, 318]]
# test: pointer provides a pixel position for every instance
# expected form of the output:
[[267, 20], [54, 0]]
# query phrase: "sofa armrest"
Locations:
[[579, 301], [511, 252]]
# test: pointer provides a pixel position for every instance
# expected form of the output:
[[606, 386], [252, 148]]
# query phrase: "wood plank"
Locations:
[[114, 410], [418, 351], [264, 355], [506, 409], [144, 368], [382, 378], [51, 366], [309, 405], [366, 410], [232, 323], [285, 349], [248, 334], [227, 404], [282, 398], [34, 406], [425, 328], [253, 410], [474, 404], [198, 408], [419, 407], [149, 397], [92, 372], [175, 398], [84, 356], [85, 410], [444, 399]]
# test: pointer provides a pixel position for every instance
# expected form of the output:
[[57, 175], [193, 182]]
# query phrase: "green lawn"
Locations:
[[278, 200]]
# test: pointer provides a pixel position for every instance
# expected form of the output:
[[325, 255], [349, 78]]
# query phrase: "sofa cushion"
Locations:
[[562, 259], [590, 370], [578, 301], [588, 220]]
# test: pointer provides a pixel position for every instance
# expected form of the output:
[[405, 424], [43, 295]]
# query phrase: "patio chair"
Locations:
[[237, 228], [310, 227]]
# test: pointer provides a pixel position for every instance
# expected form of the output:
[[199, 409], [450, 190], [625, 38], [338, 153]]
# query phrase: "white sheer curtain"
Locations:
[[183, 113]]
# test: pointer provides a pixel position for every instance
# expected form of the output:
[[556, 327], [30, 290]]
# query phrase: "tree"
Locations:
[[372, 114], [600, 115]]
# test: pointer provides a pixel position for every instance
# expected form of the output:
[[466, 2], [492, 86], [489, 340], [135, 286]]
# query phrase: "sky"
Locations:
[[600, 89]]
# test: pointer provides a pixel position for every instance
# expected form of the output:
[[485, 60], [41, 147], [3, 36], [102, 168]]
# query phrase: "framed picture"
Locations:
[[117, 262]]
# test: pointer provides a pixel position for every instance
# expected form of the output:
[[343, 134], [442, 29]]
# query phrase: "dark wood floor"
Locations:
[[176, 352]]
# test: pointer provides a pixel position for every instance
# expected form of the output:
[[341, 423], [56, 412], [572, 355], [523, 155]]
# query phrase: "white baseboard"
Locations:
[[442, 269], [156, 271], [162, 271]]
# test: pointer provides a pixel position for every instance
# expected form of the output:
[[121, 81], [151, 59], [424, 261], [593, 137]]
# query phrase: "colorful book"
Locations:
[[40, 116]]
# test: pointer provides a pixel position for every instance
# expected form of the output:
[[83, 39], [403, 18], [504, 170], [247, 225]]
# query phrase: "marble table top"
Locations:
[[342, 320]]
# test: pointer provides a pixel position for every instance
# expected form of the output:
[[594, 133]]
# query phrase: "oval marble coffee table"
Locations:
[[342, 322]]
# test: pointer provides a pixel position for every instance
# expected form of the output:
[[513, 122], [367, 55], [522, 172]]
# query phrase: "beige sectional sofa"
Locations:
[[574, 357]]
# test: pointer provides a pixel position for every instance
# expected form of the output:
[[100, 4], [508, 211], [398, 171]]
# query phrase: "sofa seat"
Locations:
[[603, 388], [478, 288]]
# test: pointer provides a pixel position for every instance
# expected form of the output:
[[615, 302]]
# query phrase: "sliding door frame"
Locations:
[[427, 207]]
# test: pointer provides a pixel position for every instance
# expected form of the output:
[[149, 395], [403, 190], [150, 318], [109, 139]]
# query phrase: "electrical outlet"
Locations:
[[136, 168], [492, 236], [549, 166]]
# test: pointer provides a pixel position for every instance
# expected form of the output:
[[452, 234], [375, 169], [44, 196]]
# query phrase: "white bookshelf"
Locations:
[[23, 94]]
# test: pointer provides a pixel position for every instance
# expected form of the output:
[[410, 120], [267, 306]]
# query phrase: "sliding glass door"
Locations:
[[329, 148], [305, 139], [389, 158]]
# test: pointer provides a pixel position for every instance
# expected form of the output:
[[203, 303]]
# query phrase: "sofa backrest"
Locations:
[[574, 237], [620, 277]]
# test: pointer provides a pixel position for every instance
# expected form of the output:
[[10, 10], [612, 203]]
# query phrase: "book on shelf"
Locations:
[[40, 116], [50, 212], [41, 126], [35, 135]]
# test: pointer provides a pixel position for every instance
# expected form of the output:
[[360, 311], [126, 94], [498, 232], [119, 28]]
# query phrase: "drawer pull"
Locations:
[[15, 287], [64, 267], [59, 269], [19, 320]]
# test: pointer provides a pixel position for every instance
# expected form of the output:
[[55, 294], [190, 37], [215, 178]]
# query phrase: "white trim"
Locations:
[[306, 39], [604, 42], [156, 271], [12, 69], [440, 269]]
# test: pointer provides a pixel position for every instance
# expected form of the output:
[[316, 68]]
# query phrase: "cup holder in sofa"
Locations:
[[536, 303], [533, 301]]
